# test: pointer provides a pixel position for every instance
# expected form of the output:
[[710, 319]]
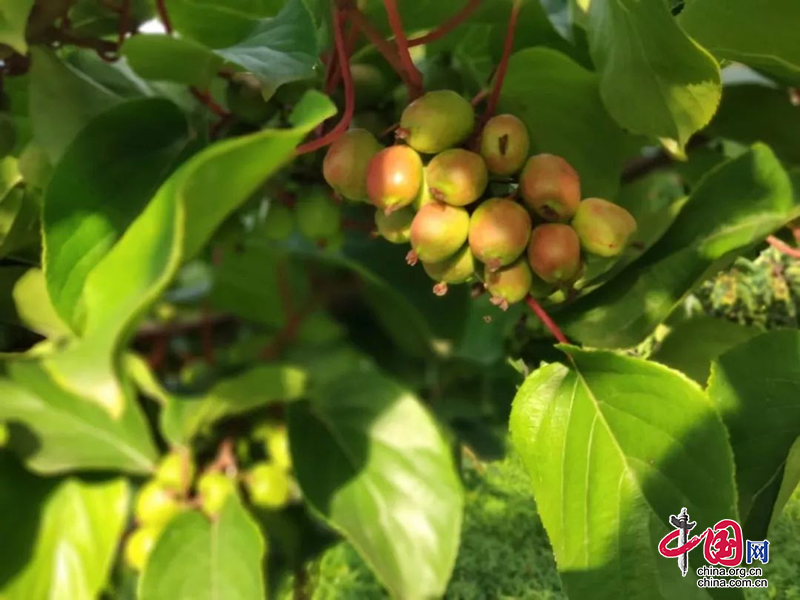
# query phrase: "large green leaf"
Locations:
[[642, 53], [197, 558], [560, 103], [219, 24], [757, 389], [735, 206], [614, 446], [755, 113], [73, 529], [34, 307], [13, 21], [107, 176], [167, 58], [173, 227], [759, 34], [371, 460], [63, 432]]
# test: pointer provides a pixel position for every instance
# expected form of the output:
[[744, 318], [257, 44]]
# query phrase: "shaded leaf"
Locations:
[[219, 24], [167, 58]]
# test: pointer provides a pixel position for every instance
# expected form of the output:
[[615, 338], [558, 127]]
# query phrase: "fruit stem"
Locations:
[[206, 99], [502, 66], [546, 320], [396, 23], [163, 16], [376, 39], [349, 92], [334, 74], [448, 26], [783, 247], [124, 15]]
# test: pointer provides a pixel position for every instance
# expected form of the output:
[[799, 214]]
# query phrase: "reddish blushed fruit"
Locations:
[[436, 121], [554, 252], [459, 268], [498, 232], [457, 177], [394, 178], [345, 164], [510, 284], [504, 144], [437, 232], [550, 187], [604, 228], [395, 227]]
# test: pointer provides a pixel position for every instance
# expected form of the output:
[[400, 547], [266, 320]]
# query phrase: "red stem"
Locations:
[[546, 320], [124, 15], [388, 52], [448, 26], [479, 97], [502, 66], [336, 74], [349, 92], [783, 247], [207, 337], [163, 15], [396, 22], [206, 99]]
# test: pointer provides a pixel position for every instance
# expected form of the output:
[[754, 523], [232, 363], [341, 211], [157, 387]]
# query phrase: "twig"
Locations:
[[502, 67], [546, 320], [396, 23], [206, 99], [386, 49], [783, 247], [479, 97], [124, 15], [163, 15], [448, 26], [207, 337]]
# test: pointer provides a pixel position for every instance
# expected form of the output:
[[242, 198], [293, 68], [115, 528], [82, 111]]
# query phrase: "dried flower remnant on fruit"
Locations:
[[436, 121], [459, 268], [345, 163], [604, 228], [550, 187], [554, 252], [394, 178], [438, 231], [510, 284], [458, 177], [505, 144], [498, 232]]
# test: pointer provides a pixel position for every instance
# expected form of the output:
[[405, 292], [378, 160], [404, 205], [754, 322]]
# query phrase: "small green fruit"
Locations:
[[505, 144], [214, 489], [459, 268], [436, 121], [395, 227], [498, 232], [550, 187], [8, 135], [510, 284], [268, 485], [318, 216], [437, 232], [457, 177], [279, 223], [554, 252], [394, 178], [345, 163], [370, 85], [176, 471], [604, 228], [139, 545], [246, 100], [156, 505], [278, 447]]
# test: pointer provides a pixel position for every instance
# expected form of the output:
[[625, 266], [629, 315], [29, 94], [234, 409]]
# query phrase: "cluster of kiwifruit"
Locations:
[[527, 243]]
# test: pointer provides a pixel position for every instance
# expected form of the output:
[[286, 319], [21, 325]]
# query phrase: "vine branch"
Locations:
[[396, 23], [163, 15], [386, 49], [448, 26], [502, 67], [783, 247], [546, 319]]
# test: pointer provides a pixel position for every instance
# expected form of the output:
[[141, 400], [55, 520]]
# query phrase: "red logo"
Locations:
[[724, 544]]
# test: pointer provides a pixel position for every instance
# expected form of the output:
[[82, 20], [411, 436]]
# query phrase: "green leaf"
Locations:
[[219, 24], [197, 558], [174, 226], [630, 41], [694, 343], [86, 210], [560, 103], [63, 432], [166, 58], [13, 21], [34, 307], [371, 460], [734, 207], [756, 386], [614, 446], [755, 113], [73, 530], [762, 35]]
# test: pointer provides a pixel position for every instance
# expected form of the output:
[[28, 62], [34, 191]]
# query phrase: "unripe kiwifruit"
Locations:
[[396, 226], [498, 232], [504, 144], [459, 268], [550, 186], [370, 84], [554, 252], [318, 216], [437, 232], [394, 177], [457, 177], [345, 163], [279, 222], [604, 228], [246, 100], [436, 121], [510, 284]]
